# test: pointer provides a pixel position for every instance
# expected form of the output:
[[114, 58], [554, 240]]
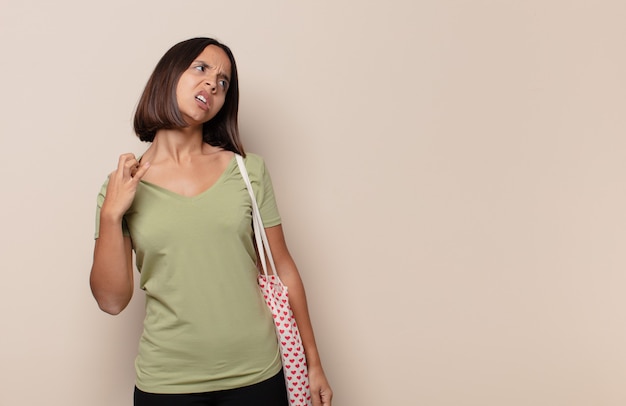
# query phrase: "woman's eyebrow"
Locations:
[[202, 63], [206, 65]]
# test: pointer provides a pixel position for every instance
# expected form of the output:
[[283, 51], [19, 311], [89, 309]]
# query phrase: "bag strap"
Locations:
[[262, 243]]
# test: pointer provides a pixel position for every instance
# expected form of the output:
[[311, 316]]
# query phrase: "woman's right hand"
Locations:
[[123, 185]]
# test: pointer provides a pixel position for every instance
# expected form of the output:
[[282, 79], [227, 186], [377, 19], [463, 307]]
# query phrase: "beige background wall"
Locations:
[[450, 173]]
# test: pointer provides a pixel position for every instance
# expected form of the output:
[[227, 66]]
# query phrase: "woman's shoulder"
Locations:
[[254, 161]]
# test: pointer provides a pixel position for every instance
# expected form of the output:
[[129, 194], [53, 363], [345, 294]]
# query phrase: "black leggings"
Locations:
[[271, 392]]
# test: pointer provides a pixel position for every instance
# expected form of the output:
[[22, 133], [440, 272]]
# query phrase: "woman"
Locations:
[[208, 336]]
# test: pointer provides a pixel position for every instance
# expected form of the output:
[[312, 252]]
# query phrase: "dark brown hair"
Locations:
[[157, 108]]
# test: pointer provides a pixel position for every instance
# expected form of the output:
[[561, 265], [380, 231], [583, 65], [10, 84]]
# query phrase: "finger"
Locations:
[[326, 395], [326, 399], [131, 163], [316, 398], [134, 167], [121, 163], [130, 167], [123, 158], [141, 171]]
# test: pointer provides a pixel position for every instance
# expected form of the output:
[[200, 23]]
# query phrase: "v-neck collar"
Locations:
[[179, 196]]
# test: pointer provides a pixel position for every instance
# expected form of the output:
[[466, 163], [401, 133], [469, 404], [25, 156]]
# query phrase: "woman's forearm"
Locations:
[[298, 303], [321, 391], [111, 277]]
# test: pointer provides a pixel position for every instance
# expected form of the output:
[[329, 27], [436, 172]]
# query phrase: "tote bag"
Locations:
[[276, 297]]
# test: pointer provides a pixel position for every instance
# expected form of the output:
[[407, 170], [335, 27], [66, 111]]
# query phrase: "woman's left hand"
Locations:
[[321, 393]]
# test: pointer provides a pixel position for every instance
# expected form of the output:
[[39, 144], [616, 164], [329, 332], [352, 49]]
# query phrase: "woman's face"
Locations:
[[201, 89]]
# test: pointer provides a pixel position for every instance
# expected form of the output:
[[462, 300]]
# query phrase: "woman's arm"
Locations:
[[111, 277], [321, 392]]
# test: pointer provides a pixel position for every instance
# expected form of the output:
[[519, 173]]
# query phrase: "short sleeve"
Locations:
[[263, 189], [99, 202]]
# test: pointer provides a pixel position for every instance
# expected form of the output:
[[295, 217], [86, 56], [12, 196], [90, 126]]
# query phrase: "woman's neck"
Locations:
[[178, 145]]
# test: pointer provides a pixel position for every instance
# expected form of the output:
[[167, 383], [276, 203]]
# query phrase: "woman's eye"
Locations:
[[200, 68], [223, 84]]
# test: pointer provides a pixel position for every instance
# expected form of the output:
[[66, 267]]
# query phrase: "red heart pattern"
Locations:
[[291, 349]]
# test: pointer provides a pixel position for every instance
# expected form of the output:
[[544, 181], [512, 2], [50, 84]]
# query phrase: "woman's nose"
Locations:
[[211, 83]]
